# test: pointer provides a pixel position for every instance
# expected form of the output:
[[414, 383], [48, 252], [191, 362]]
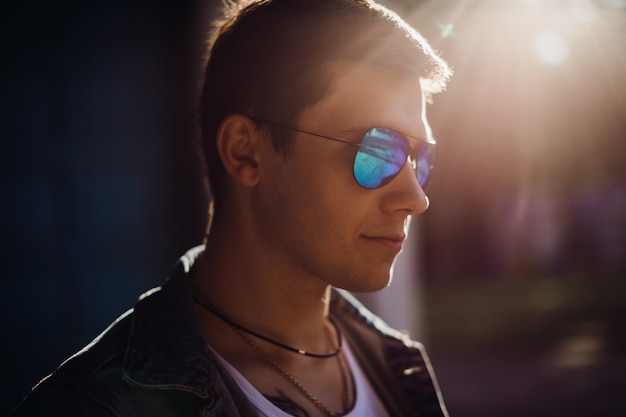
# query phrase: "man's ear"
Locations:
[[237, 146]]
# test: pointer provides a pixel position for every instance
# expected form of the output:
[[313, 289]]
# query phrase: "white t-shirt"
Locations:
[[367, 403]]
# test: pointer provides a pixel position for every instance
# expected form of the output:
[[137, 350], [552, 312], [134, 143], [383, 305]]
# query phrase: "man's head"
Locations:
[[273, 59]]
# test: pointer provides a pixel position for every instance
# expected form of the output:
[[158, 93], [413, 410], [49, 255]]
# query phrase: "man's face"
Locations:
[[317, 221]]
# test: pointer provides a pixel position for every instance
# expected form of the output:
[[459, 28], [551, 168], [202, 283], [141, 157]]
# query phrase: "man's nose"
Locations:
[[405, 193]]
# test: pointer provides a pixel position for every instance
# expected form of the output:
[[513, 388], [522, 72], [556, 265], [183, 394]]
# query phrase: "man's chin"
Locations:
[[372, 285]]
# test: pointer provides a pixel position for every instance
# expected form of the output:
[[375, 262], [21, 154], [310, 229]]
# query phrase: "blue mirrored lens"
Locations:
[[382, 154]]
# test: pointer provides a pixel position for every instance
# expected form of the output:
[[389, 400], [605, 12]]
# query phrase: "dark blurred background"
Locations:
[[523, 250]]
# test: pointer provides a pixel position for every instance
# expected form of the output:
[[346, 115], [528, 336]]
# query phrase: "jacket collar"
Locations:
[[166, 348]]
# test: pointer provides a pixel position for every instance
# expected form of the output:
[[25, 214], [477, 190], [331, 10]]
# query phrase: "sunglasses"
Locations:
[[381, 154]]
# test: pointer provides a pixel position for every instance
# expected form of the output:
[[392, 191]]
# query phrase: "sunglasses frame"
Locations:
[[414, 165]]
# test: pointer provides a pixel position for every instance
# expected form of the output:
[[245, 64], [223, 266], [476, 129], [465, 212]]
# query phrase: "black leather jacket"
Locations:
[[153, 361]]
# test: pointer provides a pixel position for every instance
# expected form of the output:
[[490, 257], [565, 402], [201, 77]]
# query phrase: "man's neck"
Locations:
[[253, 289]]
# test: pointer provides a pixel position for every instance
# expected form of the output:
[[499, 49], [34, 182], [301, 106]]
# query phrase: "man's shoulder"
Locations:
[[106, 350], [126, 369], [83, 383]]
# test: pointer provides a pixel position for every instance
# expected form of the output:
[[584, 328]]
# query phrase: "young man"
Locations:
[[318, 148]]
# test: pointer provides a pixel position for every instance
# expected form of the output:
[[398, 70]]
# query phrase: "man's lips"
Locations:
[[392, 242]]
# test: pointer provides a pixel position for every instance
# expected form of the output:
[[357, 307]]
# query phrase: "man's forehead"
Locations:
[[365, 96], [381, 82]]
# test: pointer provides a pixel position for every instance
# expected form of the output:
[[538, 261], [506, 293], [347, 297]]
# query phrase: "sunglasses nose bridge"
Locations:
[[411, 160], [411, 166]]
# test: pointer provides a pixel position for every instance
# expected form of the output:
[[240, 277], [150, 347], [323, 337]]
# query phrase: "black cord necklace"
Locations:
[[225, 319]]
